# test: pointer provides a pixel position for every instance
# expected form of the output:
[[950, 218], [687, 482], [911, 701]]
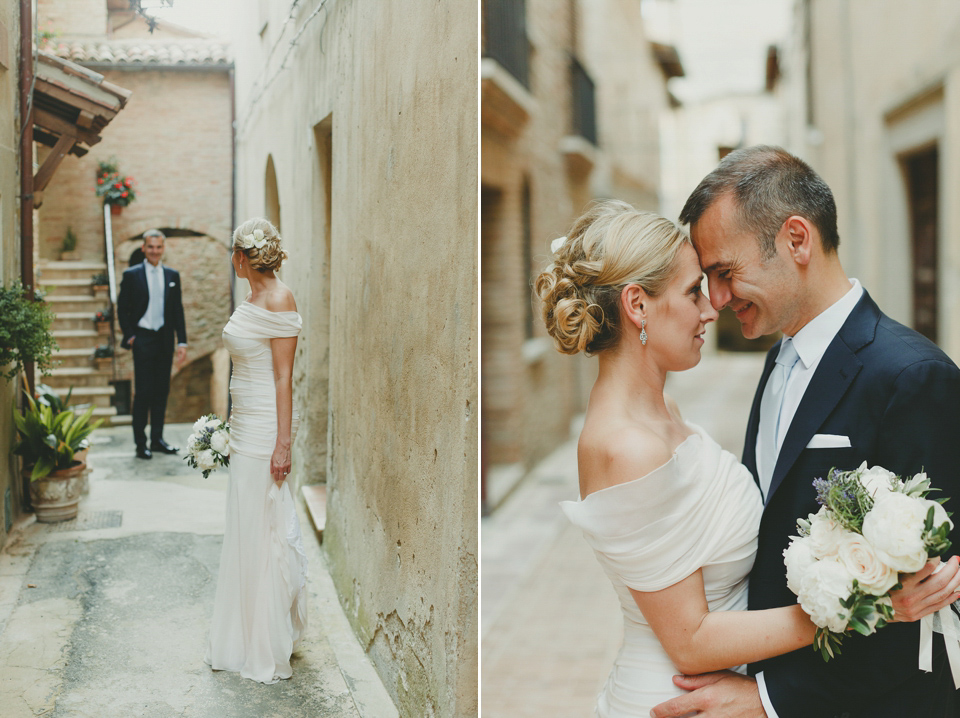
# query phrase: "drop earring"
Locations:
[[643, 332]]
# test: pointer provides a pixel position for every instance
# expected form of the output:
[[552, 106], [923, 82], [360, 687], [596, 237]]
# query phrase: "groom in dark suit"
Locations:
[[150, 311], [846, 384]]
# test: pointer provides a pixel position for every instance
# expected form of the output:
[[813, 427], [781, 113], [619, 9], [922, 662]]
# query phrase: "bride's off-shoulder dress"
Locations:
[[260, 610], [701, 509]]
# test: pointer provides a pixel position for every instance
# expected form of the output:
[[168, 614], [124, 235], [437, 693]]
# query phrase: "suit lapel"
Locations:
[[836, 371]]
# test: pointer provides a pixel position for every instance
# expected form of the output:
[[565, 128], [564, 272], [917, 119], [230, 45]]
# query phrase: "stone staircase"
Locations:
[[70, 294]]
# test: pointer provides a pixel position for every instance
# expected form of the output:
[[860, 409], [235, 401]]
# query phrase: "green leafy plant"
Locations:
[[104, 315], [112, 186], [69, 241], [103, 351], [100, 279], [48, 397], [25, 331], [47, 440]]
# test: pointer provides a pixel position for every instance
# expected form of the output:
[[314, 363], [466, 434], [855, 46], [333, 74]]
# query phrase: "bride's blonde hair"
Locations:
[[259, 231], [609, 246]]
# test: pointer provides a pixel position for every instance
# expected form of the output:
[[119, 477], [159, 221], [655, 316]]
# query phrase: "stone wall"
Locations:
[[373, 141]]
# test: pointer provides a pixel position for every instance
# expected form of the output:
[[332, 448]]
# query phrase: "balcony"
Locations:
[[579, 148], [505, 32]]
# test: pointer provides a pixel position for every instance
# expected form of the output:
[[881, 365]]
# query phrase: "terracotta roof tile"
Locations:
[[140, 52]]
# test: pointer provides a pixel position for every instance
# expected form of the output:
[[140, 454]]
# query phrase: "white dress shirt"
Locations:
[[811, 343], [153, 317]]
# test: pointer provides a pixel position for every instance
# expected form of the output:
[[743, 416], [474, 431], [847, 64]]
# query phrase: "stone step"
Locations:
[[74, 358], [77, 303], [77, 338], [74, 320], [99, 396], [315, 497], [68, 270], [57, 287], [86, 376]]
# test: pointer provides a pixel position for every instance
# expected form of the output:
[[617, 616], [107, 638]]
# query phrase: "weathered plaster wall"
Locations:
[[393, 331], [9, 239]]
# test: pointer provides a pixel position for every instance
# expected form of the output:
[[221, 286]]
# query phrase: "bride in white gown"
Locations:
[[672, 518], [259, 612]]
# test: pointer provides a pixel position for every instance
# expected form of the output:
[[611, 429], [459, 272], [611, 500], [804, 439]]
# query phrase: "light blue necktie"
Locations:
[[770, 407]]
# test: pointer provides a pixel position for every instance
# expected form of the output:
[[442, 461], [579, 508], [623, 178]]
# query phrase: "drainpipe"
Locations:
[[26, 185], [26, 155]]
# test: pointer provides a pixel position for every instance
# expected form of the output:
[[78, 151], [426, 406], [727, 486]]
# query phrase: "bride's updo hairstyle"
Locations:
[[259, 240], [610, 246]]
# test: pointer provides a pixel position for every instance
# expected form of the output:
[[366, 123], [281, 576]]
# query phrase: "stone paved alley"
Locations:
[[107, 616]]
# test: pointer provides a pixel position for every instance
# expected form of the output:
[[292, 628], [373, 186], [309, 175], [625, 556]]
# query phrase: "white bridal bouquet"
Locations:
[[871, 526], [209, 445]]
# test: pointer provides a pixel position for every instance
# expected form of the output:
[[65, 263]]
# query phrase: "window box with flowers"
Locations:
[[104, 319], [116, 189], [103, 357], [101, 285]]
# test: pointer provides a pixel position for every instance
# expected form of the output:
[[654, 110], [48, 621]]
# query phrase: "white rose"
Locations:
[[825, 534], [798, 558], [894, 527], [220, 442], [212, 423], [205, 460], [862, 562], [824, 586], [877, 481], [199, 424], [191, 442]]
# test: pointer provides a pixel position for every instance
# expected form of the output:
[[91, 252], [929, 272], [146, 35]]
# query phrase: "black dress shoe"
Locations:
[[164, 448], [144, 453]]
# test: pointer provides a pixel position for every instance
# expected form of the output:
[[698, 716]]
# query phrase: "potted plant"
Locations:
[[47, 396], [25, 331], [101, 285], [103, 356], [116, 189], [68, 249], [48, 441], [103, 320]]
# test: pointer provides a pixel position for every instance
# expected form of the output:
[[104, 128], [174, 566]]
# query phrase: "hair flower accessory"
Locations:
[[556, 244], [254, 239]]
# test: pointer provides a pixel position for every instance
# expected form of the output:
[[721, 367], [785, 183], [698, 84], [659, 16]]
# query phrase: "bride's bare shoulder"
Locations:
[[280, 299], [615, 453]]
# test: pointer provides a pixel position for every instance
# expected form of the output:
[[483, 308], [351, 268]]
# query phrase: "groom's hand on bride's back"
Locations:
[[722, 694], [927, 591]]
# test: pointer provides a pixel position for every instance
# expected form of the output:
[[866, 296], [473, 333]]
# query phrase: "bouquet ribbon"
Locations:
[[947, 622]]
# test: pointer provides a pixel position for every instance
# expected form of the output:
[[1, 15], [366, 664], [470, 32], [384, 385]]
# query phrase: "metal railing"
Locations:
[[505, 30], [584, 102]]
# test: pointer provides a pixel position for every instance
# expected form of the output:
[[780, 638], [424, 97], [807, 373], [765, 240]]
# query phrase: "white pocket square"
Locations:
[[173, 284], [828, 441]]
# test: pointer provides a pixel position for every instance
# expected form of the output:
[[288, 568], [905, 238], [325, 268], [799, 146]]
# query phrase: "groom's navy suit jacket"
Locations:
[[135, 297], [896, 395]]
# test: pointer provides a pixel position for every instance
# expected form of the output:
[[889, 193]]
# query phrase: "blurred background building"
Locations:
[[572, 95]]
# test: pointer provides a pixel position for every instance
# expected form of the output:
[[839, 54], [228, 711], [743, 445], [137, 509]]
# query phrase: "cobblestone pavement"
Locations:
[[107, 616], [550, 621]]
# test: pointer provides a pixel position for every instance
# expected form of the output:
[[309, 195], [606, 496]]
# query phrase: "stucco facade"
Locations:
[[356, 134], [10, 485], [873, 86]]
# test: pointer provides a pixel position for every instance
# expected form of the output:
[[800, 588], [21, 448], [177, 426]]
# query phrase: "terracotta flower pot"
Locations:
[[56, 496], [116, 209]]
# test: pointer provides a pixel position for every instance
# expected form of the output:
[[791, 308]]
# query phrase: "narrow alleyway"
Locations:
[[107, 616], [550, 621]]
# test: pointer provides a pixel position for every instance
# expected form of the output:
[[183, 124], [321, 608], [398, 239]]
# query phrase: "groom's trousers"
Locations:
[[152, 362]]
